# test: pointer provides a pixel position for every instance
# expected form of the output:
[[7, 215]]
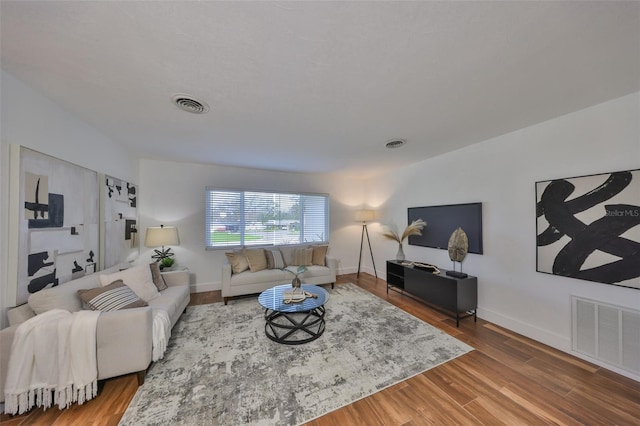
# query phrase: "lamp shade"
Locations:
[[161, 236], [365, 215]]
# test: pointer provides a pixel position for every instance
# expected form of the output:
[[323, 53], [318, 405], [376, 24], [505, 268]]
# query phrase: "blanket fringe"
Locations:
[[46, 397]]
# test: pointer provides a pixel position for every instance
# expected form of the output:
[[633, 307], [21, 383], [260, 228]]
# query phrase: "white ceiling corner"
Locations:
[[320, 86]]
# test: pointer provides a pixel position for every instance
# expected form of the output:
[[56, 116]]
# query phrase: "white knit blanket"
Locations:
[[53, 361], [161, 333]]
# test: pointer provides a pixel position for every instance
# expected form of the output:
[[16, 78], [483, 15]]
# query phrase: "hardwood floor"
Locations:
[[509, 379]]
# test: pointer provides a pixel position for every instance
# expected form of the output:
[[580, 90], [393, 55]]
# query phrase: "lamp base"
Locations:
[[161, 254]]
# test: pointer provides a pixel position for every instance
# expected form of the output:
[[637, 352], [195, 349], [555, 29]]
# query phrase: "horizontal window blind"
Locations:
[[236, 218]]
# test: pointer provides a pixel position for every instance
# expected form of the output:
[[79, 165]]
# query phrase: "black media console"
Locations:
[[455, 295]]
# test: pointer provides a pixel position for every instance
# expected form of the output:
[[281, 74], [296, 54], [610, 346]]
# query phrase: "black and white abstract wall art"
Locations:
[[120, 212], [57, 226], [588, 227]]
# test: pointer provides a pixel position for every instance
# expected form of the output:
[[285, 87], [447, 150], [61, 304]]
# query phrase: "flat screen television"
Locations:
[[443, 220]]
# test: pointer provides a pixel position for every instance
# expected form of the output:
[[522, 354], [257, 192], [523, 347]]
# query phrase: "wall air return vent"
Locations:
[[190, 104], [607, 333]]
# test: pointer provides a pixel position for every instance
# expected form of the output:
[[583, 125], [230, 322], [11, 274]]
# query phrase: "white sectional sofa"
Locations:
[[254, 277], [124, 337]]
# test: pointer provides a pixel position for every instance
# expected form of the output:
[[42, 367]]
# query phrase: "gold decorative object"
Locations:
[[297, 296], [458, 245]]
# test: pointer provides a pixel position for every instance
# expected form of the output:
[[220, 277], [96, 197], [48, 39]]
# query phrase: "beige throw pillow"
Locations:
[[257, 259], [238, 261], [303, 256], [138, 279], [319, 254], [112, 297]]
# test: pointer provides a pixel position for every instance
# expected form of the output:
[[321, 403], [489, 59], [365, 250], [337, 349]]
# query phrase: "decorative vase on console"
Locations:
[[414, 229]]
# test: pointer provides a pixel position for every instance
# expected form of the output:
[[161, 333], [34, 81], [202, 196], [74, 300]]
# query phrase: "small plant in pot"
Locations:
[[167, 262], [296, 283]]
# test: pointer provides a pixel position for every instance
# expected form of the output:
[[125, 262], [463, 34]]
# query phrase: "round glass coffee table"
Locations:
[[293, 323]]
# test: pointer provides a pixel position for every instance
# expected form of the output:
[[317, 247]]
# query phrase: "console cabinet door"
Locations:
[[432, 288]]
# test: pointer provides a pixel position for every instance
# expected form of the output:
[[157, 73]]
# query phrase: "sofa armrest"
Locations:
[[332, 263], [173, 278], [124, 341], [20, 314], [226, 279], [6, 339]]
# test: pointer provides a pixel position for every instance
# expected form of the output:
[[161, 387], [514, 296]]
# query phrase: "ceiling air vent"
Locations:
[[190, 104], [395, 143]]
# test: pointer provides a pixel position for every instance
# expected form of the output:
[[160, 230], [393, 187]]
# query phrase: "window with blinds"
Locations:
[[255, 218]]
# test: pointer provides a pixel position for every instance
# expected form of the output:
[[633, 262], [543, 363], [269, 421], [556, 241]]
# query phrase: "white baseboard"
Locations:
[[547, 337], [606, 366], [202, 287], [354, 270]]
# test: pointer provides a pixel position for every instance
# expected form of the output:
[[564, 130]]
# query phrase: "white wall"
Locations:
[[172, 193], [32, 120], [501, 173]]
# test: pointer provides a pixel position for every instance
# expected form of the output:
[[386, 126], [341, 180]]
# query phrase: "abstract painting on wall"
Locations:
[[58, 222], [588, 227], [121, 243]]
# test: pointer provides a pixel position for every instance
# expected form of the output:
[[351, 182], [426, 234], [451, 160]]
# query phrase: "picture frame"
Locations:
[[119, 230], [54, 232], [588, 227]]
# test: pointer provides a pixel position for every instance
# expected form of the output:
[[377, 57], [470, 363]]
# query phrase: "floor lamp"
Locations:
[[365, 216]]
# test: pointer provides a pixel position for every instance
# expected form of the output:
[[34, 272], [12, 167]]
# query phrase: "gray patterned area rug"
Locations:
[[221, 369]]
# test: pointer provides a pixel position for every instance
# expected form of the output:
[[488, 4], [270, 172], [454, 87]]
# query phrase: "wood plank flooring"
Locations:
[[508, 380]]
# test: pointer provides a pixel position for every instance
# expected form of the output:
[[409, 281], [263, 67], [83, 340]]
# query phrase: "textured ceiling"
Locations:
[[320, 86]]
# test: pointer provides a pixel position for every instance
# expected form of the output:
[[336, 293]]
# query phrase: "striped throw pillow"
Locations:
[[274, 259], [112, 297]]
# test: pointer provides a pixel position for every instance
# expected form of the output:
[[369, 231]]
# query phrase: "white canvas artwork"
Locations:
[[121, 239], [588, 227], [57, 228]]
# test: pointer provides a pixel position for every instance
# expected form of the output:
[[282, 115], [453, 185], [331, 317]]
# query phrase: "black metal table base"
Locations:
[[286, 327]]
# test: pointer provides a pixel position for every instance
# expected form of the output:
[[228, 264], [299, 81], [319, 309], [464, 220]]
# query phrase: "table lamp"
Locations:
[[161, 236]]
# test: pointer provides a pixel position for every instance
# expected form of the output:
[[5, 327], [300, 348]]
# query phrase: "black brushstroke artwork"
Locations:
[[56, 214], [131, 190], [36, 261], [36, 207], [116, 185], [603, 234], [41, 282]]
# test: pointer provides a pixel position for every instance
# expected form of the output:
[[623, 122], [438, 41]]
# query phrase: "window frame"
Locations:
[[243, 224]]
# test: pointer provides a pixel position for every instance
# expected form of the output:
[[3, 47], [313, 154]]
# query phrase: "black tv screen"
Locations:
[[443, 220]]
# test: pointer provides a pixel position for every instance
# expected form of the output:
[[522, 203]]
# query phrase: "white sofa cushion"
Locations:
[[64, 296], [266, 275], [138, 279], [171, 300]]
